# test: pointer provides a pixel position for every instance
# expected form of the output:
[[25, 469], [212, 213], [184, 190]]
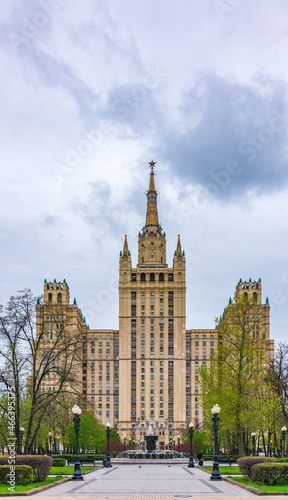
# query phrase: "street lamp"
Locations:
[[21, 437], [50, 439], [216, 476], [124, 437], [178, 443], [253, 442], [191, 461], [108, 461], [77, 476], [284, 429]]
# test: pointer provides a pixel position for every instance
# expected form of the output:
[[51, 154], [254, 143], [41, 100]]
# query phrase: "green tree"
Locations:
[[92, 434], [238, 369]]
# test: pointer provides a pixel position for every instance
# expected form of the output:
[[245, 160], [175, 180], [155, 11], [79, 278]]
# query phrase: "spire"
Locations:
[[152, 212], [178, 250], [125, 248], [152, 184]]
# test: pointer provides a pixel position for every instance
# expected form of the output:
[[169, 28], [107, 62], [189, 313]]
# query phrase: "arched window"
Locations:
[[152, 277], [255, 298], [170, 277], [245, 295], [142, 260], [59, 298], [161, 277], [133, 277], [143, 277], [50, 298]]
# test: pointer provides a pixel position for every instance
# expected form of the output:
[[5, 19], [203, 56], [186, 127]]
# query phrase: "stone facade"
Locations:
[[145, 373]]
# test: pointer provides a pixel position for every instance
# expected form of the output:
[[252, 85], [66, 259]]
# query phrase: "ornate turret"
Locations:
[[152, 242]]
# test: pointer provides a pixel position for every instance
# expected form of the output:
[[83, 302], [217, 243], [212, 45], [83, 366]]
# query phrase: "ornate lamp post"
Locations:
[[21, 436], [284, 429], [124, 437], [77, 476], [178, 443], [216, 476], [253, 442], [50, 440], [108, 461], [191, 461]]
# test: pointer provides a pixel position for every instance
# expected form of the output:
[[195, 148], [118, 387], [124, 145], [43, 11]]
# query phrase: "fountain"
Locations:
[[150, 440]]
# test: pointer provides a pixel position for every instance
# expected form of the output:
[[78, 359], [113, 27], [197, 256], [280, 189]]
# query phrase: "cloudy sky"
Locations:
[[92, 91]]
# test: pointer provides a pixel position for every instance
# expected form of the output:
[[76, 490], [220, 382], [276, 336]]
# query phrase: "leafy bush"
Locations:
[[59, 462], [282, 460], [270, 473], [23, 474], [246, 463], [41, 465]]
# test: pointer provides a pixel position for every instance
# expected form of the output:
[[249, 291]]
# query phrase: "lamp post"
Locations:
[[21, 437], [50, 440], [77, 476], [124, 437], [108, 461], [178, 443], [253, 442], [191, 461], [284, 429], [215, 476]]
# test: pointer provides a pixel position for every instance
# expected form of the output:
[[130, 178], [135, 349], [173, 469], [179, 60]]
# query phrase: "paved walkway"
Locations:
[[148, 481]]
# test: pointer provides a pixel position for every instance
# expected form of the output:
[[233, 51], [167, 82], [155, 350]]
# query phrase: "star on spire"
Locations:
[[152, 163]]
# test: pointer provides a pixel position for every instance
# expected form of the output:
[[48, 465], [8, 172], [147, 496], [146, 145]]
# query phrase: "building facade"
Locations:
[[147, 372]]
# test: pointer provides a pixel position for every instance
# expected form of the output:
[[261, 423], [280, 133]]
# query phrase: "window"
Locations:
[[133, 277], [170, 277], [152, 277], [59, 298], [161, 277], [143, 278]]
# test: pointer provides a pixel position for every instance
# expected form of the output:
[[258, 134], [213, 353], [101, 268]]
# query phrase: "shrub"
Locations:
[[23, 474], [270, 473], [41, 465], [246, 463], [282, 460], [59, 462]]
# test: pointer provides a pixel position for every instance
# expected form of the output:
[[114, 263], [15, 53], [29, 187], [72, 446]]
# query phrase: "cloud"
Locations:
[[222, 121]]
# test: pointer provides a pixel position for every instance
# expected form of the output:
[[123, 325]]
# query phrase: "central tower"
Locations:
[[152, 333]]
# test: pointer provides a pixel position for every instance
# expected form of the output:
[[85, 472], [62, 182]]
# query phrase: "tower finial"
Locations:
[[125, 248], [152, 184], [178, 250]]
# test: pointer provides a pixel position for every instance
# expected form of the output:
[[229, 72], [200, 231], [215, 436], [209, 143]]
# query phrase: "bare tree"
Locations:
[[30, 357]]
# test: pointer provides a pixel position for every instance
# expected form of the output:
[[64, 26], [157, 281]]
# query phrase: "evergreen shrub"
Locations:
[[271, 474], [245, 464]]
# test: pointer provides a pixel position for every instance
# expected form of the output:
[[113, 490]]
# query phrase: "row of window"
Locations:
[[151, 277]]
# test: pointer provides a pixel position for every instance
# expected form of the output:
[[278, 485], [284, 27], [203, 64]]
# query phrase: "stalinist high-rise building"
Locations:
[[145, 373]]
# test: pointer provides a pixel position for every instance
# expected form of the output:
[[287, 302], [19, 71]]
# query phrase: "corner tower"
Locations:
[[152, 333]]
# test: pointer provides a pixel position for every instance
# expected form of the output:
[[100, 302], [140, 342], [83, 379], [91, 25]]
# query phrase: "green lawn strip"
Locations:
[[69, 469], [225, 469], [20, 488], [262, 487]]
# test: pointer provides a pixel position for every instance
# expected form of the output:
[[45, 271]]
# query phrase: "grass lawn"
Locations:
[[262, 487], [69, 469], [225, 469], [19, 488]]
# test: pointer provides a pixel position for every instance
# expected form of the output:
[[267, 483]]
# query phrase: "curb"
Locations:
[[35, 490], [251, 489]]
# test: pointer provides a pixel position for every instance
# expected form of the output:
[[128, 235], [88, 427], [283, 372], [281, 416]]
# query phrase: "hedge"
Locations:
[[246, 463], [21, 474], [270, 473], [282, 460], [59, 462], [40, 464]]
